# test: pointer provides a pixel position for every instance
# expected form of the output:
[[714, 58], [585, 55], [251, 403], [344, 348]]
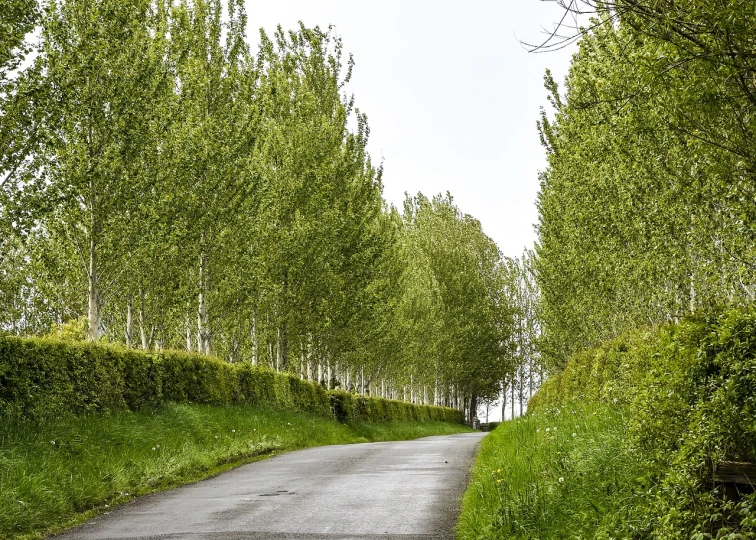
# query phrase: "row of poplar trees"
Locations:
[[648, 205], [165, 186]]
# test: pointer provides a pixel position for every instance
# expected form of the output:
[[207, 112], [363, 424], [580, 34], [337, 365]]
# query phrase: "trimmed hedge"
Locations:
[[691, 389], [43, 377], [347, 406]]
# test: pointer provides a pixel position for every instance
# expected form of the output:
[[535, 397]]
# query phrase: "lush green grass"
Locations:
[[560, 473], [54, 474]]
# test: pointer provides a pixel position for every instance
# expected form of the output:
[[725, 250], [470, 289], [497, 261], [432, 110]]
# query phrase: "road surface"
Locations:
[[393, 490]]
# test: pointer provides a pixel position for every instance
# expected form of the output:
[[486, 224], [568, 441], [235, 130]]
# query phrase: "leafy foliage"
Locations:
[[646, 208], [690, 388], [179, 191], [42, 378]]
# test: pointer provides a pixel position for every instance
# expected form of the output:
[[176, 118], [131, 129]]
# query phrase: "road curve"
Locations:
[[393, 490]]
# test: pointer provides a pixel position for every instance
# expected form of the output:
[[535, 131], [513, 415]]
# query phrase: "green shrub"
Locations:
[[348, 407], [48, 377], [691, 388]]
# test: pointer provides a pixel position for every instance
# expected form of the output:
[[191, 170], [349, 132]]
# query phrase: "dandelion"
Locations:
[[548, 429], [288, 423], [574, 434], [498, 481], [561, 479], [158, 446], [554, 428], [233, 431], [52, 442], [538, 430], [107, 506], [153, 448]]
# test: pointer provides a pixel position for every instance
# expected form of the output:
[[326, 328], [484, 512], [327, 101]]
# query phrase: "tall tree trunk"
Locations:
[[143, 322], [282, 359], [513, 397], [94, 313], [254, 337], [473, 408], [504, 402], [283, 330], [203, 325], [188, 330], [129, 334]]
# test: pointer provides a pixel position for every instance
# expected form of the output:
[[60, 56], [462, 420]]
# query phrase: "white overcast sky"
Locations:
[[451, 95]]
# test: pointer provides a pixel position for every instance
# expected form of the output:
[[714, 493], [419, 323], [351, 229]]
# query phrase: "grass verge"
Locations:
[[562, 473], [57, 474]]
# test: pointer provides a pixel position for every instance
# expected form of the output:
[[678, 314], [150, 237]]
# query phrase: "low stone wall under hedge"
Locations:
[[44, 377]]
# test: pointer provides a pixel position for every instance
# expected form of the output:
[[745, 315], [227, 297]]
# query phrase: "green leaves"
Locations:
[[646, 209], [178, 191]]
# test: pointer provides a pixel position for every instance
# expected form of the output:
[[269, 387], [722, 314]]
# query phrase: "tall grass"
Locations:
[[57, 473], [561, 473]]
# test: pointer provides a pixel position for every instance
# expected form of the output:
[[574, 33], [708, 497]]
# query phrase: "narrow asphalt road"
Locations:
[[394, 490]]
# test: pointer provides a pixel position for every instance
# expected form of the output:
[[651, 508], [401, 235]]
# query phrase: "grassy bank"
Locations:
[[57, 473], [671, 404], [563, 473]]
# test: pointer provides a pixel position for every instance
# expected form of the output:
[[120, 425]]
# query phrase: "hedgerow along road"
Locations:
[[407, 490]]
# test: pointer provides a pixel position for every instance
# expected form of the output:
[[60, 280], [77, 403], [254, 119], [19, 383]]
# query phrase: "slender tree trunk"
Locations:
[[473, 408], [309, 357], [130, 322], [254, 337], [521, 387], [531, 367], [188, 330], [95, 298], [279, 350], [203, 325], [513, 398], [504, 402], [143, 322]]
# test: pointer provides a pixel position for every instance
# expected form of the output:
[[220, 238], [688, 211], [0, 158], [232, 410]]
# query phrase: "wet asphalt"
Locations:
[[408, 490]]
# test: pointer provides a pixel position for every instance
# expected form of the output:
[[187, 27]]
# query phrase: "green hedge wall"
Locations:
[[347, 406], [42, 377], [690, 389]]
